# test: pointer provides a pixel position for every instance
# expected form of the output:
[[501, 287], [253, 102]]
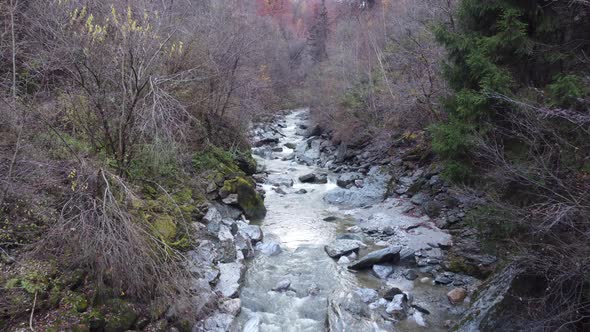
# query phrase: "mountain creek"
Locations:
[[336, 255]]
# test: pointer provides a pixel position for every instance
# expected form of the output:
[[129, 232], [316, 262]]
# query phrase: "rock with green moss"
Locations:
[[121, 316], [164, 227], [246, 163], [248, 199]]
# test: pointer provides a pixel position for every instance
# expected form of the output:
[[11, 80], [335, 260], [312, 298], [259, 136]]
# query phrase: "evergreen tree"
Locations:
[[502, 48]]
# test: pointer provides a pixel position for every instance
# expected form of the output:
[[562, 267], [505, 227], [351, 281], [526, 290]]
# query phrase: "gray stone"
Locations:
[[307, 178], [386, 255], [419, 199], [367, 295], [279, 190], [213, 220], [244, 244], [347, 179], [282, 285], [382, 271], [432, 208], [231, 307], [411, 274], [391, 293], [254, 232], [443, 280], [281, 181], [343, 247], [268, 248], [230, 275], [343, 260]]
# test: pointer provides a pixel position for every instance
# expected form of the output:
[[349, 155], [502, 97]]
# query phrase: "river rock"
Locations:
[[282, 285], [321, 179], [387, 255], [343, 247], [367, 295], [457, 295], [291, 146], [213, 218], [307, 178], [301, 191], [218, 322], [391, 293], [279, 190], [343, 260], [230, 275], [411, 274], [231, 307], [281, 181], [266, 141], [268, 248], [347, 179], [419, 199], [244, 244], [419, 319], [227, 248], [264, 152], [397, 307], [382, 271], [442, 280], [254, 232]]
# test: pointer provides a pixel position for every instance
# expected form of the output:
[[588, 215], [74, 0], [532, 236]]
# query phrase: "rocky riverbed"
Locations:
[[351, 241]]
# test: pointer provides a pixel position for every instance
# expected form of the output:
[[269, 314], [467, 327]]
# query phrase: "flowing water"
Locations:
[[296, 222]]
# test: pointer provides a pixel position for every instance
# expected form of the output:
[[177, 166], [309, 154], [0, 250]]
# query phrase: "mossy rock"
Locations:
[[121, 316], [81, 328], [164, 227], [246, 163], [94, 319], [248, 199]]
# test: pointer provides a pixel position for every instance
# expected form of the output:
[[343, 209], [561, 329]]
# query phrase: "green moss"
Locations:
[[35, 282], [248, 199], [214, 158], [121, 316], [164, 227], [76, 301], [13, 283], [94, 319]]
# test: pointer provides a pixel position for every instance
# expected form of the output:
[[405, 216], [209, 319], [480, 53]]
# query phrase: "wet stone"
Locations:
[[342, 247], [268, 248], [382, 271], [387, 255], [367, 295]]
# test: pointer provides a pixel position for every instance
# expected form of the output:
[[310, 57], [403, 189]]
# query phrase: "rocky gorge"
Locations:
[[350, 240]]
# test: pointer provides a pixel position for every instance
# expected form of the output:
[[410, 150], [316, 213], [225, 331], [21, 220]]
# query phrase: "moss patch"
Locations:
[[248, 199], [164, 227]]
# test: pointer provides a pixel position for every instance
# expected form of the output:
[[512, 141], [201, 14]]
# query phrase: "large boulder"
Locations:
[[342, 247], [248, 199], [498, 306], [386, 255]]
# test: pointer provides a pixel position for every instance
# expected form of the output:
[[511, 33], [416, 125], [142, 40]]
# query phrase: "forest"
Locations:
[[295, 165]]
